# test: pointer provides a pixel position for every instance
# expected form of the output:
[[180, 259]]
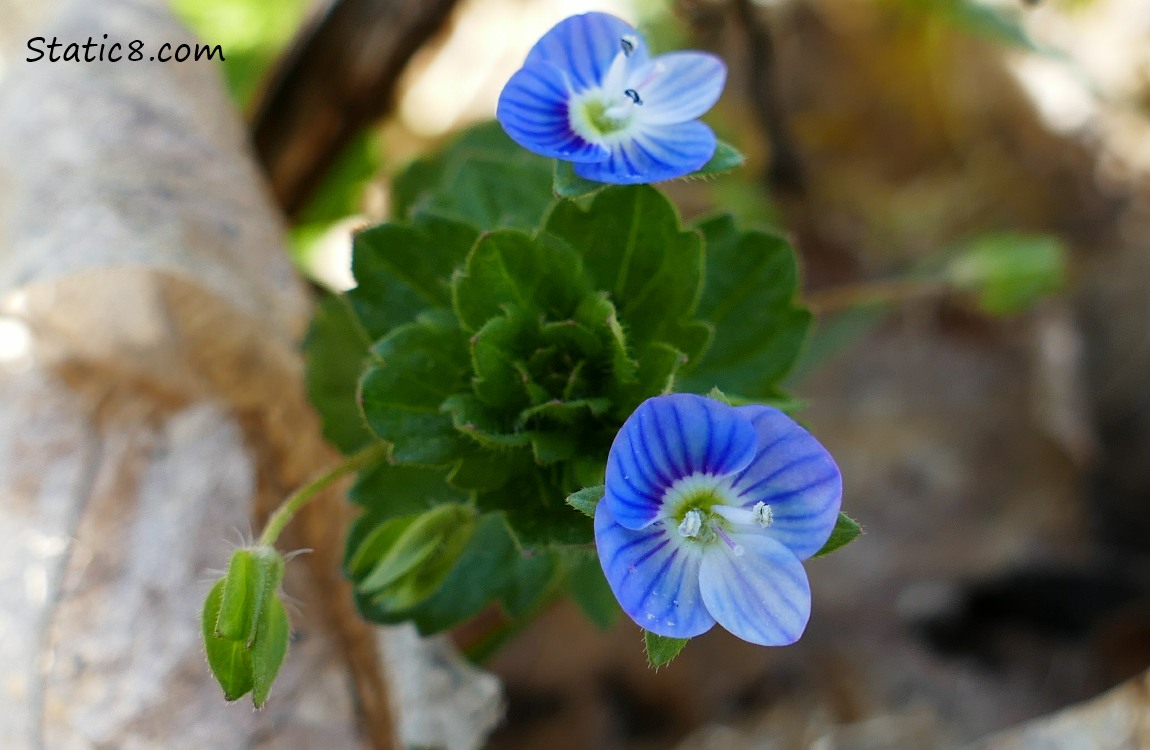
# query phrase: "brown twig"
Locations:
[[339, 77], [838, 298], [784, 172]]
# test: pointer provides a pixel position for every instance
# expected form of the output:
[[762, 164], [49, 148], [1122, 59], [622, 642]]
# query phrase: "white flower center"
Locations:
[[605, 114], [708, 509]]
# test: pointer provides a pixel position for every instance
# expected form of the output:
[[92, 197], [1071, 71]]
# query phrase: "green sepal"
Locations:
[[846, 530], [587, 499], [269, 650], [229, 660], [567, 184], [661, 650], [253, 577]]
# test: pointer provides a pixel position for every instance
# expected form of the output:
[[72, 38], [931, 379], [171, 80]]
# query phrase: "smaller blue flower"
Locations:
[[708, 511], [590, 93]]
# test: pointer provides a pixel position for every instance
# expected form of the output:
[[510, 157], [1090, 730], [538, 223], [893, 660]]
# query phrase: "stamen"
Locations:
[[735, 547], [627, 43], [691, 525], [763, 514], [633, 95]]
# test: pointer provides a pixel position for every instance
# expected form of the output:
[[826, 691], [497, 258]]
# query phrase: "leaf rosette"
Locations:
[[499, 363]]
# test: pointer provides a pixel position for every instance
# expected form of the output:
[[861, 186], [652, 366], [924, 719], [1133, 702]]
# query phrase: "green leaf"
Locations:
[[483, 178], [846, 531], [269, 650], [536, 513], [336, 349], [414, 370], [510, 270], [229, 660], [659, 364], [633, 247], [597, 313], [401, 270], [750, 298], [495, 359], [1009, 272], [661, 650], [587, 499], [590, 590]]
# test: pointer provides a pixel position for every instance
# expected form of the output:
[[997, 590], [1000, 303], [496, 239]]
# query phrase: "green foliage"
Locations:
[[499, 338], [1009, 272], [244, 625], [750, 298], [662, 650], [846, 530]]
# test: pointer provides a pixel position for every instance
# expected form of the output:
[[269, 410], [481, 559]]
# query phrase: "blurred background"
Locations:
[[999, 464], [995, 445]]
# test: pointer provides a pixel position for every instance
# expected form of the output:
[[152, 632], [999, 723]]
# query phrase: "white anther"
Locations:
[[764, 516], [691, 524]]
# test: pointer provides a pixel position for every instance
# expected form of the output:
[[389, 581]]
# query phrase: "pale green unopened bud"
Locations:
[[254, 574], [406, 559]]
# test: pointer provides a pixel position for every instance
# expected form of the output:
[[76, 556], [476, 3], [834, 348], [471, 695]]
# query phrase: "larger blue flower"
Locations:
[[590, 93], [709, 510]]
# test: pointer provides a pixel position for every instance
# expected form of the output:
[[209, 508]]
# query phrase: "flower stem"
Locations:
[[302, 496], [837, 299]]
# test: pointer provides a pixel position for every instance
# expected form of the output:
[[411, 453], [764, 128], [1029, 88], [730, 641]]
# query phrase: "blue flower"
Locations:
[[590, 93], [708, 511]]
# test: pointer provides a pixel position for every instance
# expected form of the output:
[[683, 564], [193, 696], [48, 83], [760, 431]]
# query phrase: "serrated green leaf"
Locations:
[[590, 590], [661, 650], [478, 471], [474, 419], [750, 298], [552, 446], [633, 247], [483, 178], [659, 364], [336, 349], [846, 531], [597, 313], [269, 650], [229, 660], [510, 270], [587, 499], [414, 369], [536, 514], [422, 255], [495, 359]]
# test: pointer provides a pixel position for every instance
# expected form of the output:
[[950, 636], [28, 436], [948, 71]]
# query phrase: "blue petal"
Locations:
[[653, 153], [585, 45], [762, 595], [654, 575], [794, 474], [533, 111], [678, 87], [668, 438]]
